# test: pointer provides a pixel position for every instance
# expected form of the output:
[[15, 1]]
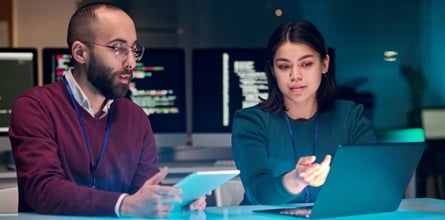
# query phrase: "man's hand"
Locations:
[[152, 199]]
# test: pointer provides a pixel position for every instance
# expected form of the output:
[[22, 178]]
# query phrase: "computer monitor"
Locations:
[[158, 87], [56, 61], [18, 74], [224, 80]]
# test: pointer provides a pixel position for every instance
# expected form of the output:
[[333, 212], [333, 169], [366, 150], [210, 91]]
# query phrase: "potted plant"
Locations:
[[417, 84]]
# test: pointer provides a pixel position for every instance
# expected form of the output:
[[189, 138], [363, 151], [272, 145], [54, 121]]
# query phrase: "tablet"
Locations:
[[200, 183]]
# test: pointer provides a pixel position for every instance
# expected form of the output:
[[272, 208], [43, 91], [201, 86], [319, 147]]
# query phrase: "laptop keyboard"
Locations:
[[304, 211], [300, 212]]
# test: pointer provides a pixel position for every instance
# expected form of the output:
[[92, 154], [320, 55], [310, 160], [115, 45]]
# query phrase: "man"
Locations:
[[79, 147]]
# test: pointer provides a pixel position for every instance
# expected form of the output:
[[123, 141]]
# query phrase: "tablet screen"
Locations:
[[200, 183]]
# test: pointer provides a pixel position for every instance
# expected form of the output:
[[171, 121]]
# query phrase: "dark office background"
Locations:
[[359, 31]]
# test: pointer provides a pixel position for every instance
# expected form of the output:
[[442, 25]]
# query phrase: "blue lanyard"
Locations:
[[93, 168], [294, 145]]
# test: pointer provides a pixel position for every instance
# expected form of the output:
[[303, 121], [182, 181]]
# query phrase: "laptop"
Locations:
[[363, 179]]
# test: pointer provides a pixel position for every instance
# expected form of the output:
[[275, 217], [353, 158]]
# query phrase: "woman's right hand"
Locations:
[[307, 173]]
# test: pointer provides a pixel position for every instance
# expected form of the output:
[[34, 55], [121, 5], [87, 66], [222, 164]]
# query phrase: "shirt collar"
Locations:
[[81, 98]]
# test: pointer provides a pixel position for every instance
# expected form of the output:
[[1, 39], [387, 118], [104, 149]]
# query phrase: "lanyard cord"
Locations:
[[93, 168], [294, 145]]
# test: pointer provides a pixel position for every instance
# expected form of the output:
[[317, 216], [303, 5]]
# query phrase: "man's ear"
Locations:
[[79, 52]]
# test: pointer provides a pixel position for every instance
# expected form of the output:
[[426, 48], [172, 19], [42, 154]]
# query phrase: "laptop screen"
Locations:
[[365, 179]]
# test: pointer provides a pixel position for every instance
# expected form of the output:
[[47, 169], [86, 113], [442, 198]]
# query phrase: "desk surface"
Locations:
[[419, 208]]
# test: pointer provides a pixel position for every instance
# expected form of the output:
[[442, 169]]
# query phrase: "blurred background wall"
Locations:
[[359, 31]]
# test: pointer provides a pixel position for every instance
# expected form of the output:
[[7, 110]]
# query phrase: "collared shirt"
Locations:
[[82, 99]]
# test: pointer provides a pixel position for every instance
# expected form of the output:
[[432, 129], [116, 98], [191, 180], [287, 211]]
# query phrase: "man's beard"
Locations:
[[102, 79]]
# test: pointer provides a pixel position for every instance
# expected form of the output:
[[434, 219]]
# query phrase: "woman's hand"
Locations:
[[307, 173], [198, 205]]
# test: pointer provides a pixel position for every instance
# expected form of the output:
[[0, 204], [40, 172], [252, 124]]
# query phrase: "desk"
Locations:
[[418, 208]]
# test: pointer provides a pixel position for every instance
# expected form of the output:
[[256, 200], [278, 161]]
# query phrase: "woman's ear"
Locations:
[[325, 66]]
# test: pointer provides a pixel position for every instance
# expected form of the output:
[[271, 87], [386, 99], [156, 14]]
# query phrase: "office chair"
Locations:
[[230, 193], [433, 122], [9, 200]]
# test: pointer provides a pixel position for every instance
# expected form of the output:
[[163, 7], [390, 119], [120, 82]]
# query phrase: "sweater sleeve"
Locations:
[[250, 152], [42, 184]]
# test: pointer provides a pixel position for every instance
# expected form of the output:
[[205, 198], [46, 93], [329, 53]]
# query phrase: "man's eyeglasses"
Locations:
[[121, 50]]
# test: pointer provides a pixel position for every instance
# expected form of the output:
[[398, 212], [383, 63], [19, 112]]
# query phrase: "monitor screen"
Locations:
[[158, 87], [18, 74], [56, 61], [224, 80]]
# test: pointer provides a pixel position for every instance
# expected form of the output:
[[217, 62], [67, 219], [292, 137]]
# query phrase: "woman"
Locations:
[[283, 146]]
